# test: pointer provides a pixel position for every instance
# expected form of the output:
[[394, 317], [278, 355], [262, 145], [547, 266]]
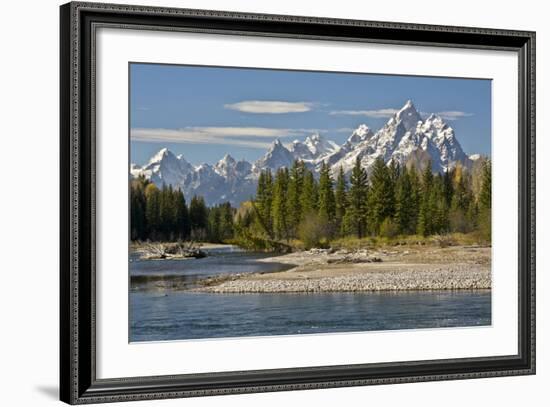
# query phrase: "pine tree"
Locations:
[[485, 193], [414, 201], [356, 213], [327, 205], [279, 207], [183, 225], [461, 202], [473, 216], [264, 201], [394, 171], [404, 208], [226, 221], [152, 196], [462, 193], [295, 185], [214, 229], [167, 213], [438, 206], [137, 210], [484, 216], [426, 211], [341, 200], [308, 198], [381, 195], [448, 189], [198, 215]]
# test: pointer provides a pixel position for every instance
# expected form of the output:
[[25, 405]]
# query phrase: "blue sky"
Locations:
[[206, 112]]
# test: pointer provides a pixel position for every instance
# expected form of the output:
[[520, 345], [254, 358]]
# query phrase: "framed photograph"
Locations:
[[254, 203]]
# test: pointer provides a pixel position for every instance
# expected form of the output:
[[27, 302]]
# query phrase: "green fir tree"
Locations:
[[381, 195], [355, 218], [340, 201]]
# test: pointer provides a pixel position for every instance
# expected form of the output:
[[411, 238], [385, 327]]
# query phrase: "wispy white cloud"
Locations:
[[270, 106], [344, 130], [453, 115], [375, 114], [238, 136]]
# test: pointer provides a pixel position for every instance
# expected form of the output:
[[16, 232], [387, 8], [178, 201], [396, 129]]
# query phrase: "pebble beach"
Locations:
[[394, 269]]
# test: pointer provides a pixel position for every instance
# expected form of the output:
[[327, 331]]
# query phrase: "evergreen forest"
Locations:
[[295, 208]]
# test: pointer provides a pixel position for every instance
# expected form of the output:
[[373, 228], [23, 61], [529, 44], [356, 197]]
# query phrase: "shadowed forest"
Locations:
[[293, 208]]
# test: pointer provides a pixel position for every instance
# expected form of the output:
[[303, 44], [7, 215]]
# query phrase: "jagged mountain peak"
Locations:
[[276, 157], [300, 150], [166, 157], [407, 115], [405, 138], [314, 138], [435, 121], [226, 166], [361, 133], [313, 147], [319, 145], [432, 117], [160, 155], [227, 159]]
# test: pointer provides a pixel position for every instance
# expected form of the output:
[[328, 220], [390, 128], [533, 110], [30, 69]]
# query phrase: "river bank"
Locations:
[[397, 268], [173, 250]]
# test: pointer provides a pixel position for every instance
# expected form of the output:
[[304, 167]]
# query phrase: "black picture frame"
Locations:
[[78, 382]]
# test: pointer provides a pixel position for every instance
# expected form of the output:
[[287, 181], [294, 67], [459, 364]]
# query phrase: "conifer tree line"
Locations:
[[293, 204], [162, 214], [391, 201]]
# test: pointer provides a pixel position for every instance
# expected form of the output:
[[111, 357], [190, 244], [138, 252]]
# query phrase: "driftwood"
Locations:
[[178, 250], [354, 260]]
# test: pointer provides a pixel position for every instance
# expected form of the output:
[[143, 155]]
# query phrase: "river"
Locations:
[[161, 307]]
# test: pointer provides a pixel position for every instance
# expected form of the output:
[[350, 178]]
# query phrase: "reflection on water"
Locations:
[[158, 312], [184, 273]]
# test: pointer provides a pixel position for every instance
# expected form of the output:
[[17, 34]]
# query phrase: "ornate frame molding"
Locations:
[[78, 380]]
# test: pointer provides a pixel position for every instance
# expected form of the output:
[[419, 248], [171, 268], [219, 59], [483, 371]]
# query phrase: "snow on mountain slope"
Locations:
[[238, 183], [406, 137], [276, 157], [164, 168], [320, 146], [359, 136]]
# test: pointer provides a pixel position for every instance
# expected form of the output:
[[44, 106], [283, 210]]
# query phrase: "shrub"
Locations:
[[313, 231], [444, 240], [485, 224], [458, 222], [388, 228]]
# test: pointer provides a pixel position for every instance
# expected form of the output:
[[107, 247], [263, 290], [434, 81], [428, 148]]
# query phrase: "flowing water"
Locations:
[[160, 312]]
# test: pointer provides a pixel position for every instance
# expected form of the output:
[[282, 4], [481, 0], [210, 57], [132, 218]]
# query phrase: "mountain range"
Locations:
[[406, 138]]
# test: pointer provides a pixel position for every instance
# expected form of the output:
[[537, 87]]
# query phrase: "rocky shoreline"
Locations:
[[455, 268]]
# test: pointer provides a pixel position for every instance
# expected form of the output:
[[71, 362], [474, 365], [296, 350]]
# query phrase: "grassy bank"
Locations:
[[354, 243], [446, 240], [253, 243]]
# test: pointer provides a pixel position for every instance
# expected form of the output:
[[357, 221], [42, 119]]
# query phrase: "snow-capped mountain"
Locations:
[[276, 157], [313, 148], [229, 168], [406, 137], [360, 135], [164, 167]]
